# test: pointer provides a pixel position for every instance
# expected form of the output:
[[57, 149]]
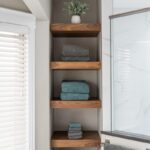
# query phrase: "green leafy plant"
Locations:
[[76, 7]]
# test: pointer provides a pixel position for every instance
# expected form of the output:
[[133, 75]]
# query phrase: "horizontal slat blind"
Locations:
[[14, 106]]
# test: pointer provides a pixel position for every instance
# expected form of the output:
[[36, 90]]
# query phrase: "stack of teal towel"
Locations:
[[74, 90], [75, 53], [75, 130]]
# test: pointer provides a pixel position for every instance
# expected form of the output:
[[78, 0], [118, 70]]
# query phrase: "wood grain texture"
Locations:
[[90, 139], [75, 104], [58, 65], [73, 30]]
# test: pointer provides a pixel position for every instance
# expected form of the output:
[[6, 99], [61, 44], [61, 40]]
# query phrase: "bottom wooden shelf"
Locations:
[[90, 139]]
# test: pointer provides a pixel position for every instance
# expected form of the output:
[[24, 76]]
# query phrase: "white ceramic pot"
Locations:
[[75, 19]]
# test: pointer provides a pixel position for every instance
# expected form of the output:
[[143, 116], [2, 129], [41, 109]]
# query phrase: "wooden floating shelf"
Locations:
[[75, 30], [90, 139], [58, 65], [75, 104]]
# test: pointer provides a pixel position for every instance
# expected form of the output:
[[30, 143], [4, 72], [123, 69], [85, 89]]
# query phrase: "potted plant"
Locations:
[[76, 8]]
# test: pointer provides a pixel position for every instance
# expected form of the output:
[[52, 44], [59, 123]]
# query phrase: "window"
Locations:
[[16, 82], [130, 50]]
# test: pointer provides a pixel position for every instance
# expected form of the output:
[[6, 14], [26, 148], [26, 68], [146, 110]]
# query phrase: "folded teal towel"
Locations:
[[74, 131], [75, 137], [74, 125], [76, 58], [71, 129], [73, 50], [75, 134], [75, 87], [74, 96]]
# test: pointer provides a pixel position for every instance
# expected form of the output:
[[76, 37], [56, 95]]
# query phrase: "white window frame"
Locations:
[[107, 10], [11, 17]]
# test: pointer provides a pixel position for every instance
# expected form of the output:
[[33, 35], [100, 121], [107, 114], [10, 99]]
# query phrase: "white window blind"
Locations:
[[14, 99]]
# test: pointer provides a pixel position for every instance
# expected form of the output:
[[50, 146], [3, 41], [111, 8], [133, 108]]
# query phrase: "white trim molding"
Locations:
[[18, 18], [106, 11], [37, 9]]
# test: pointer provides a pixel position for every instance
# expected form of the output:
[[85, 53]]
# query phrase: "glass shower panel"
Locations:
[[130, 72], [120, 6]]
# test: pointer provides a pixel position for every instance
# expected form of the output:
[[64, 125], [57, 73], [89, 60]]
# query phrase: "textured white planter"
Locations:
[[75, 19]]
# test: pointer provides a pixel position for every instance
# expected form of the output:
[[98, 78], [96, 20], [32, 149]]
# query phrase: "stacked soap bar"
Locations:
[[75, 130], [75, 53], [74, 90]]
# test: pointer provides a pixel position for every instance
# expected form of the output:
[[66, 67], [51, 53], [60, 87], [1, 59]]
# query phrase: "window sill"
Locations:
[[129, 136]]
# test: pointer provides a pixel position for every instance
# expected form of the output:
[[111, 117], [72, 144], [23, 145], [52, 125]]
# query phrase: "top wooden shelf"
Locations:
[[75, 30]]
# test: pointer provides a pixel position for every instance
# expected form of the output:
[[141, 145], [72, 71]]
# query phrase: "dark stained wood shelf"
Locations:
[[93, 103], [75, 30], [90, 139], [90, 65]]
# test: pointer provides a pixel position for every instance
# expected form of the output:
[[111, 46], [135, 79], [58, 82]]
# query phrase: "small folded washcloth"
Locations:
[[115, 147], [71, 130], [74, 125], [75, 137], [75, 134], [76, 58], [74, 96], [73, 50], [81, 87], [74, 129]]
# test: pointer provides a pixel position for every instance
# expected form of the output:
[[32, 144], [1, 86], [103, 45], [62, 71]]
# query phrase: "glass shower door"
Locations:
[[130, 72]]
